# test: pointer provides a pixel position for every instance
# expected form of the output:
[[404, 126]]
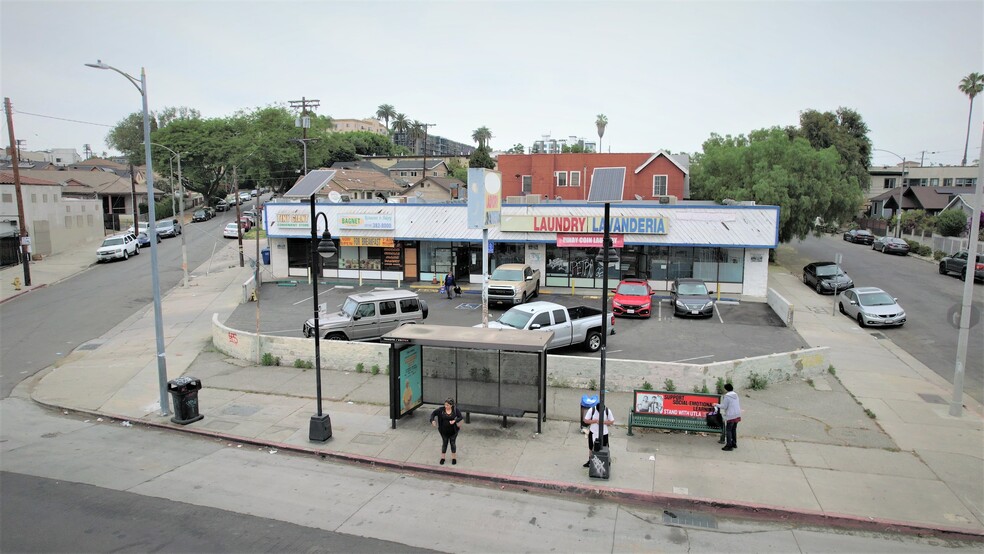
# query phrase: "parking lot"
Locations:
[[735, 331]]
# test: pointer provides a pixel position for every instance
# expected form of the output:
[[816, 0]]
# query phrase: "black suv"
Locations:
[[859, 236]]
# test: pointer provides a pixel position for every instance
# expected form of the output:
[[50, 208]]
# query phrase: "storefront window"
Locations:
[[299, 255], [557, 266], [681, 263], [659, 260], [348, 257], [371, 258], [731, 269], [507, 254], [706, 263], [582, 267]]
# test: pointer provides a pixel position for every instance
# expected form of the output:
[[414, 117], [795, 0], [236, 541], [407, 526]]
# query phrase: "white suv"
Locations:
[[117, 246]]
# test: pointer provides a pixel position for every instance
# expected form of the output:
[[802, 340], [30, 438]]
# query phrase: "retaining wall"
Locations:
[[562, 371], [781, 306]]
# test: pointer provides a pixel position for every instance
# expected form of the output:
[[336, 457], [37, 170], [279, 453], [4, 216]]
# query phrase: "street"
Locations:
[[926, 297]]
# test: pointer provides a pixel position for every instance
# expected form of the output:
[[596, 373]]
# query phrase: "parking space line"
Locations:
[[308, 299], [718, 312]]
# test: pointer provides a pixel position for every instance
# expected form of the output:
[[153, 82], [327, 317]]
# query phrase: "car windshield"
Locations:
[[142, 235], [230, 227], [875, 299], [200, 212], [515, 318], [692, 289], [507, 275], [632, 290], [828, 270], [863, 232], [349, 307], [113, 242]]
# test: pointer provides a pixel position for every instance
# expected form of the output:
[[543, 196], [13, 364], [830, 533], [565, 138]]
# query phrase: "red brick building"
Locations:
[[568, 176]]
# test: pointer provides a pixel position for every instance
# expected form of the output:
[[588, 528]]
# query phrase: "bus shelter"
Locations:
[[491, 371]]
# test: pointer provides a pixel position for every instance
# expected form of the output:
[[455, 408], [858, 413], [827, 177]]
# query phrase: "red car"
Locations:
[[246, 223], [633, 297]]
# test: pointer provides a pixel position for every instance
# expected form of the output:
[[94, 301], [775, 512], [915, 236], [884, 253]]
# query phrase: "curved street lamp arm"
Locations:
[[133, 80]]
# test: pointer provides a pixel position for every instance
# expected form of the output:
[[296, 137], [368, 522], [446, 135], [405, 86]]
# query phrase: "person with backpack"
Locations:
[[447, 419], [591, 418]]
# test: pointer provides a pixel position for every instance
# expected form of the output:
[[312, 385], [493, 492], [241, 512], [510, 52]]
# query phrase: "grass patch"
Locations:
[[646, 385], [303, 364], [669, 386], [269, 359], [757, 382]]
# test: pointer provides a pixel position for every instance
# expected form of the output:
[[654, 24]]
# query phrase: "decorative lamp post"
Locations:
[[141, 86], [320, 429]]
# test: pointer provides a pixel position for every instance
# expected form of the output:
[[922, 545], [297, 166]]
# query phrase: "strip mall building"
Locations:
[[726, 246]]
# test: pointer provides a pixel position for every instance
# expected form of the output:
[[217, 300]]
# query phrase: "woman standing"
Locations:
[[447, 419]]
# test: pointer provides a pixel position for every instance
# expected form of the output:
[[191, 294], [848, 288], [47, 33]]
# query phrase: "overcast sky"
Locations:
[[667, 74]]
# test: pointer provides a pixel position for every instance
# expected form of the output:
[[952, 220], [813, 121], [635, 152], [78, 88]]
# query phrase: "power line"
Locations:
[[63, 119]]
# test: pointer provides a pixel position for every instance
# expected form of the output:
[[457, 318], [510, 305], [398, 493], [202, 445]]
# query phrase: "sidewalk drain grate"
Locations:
[[241, 410], [879, 336], [689, 519], [932, 398], [90, 346]]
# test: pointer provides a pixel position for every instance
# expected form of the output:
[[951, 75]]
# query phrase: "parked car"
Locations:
[[871, 306], [246, 222], [244, 196], [254, 193], [891, 245], [690, 297], [231, 231], [116, 247], [370, 315], [859, 236], [577, 325], [826, 277], [221, 206], [200, 215], [141, 228], [633, 297], [957, 263], [514, 283], [168, 228], [251, 214], [143, 240]]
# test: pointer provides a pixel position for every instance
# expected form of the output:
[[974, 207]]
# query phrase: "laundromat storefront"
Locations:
[[727, 246]]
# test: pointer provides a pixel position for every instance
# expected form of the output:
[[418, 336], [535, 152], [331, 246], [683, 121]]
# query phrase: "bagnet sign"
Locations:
[[366, 221], [639, 225]]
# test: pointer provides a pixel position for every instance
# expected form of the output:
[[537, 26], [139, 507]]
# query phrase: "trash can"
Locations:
[[184, 397], [587, 402], [266, 256]]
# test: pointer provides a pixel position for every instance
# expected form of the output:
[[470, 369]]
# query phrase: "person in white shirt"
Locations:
[[591, 418], [731, 411]]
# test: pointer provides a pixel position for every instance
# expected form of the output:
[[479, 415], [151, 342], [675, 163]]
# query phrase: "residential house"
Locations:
[[55, 222], [648, 176], [890, 178], [356, 185], [408, 172], [115, 193], [931, 200], [360, 164], [437, 189], [55, 156]]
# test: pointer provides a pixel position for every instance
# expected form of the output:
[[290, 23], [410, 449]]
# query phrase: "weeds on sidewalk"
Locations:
[[646, 385], [303, 364], [669, 386], [375, 369], [269, 359], [360, 367], [831, 370], [757, 382], [870, 413]]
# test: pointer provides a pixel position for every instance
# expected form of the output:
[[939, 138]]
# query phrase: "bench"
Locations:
[[677, 411], [467, 409]]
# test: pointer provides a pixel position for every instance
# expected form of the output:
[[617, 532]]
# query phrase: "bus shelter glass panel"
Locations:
[[478, 377], [440, 372], [520, 372]]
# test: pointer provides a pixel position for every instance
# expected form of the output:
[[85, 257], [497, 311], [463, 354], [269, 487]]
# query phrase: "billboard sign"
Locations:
[[410, 379], [673, 404], [484, 198]]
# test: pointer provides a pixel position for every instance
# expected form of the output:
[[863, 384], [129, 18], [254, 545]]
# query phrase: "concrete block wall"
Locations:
[[780, 306], [562, 371]]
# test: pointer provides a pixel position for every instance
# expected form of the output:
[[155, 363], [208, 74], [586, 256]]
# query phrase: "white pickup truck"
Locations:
[[577, 325], [514, 283]]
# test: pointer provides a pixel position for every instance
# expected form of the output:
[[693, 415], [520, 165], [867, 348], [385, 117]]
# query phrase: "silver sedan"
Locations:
[[871, 306]]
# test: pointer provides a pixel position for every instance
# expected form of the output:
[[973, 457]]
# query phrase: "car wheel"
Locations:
[[335, 336], [942, 269], [524, 298], [536, 291], [861, 321], [158, 239], [593, 341], [126, 254], [136, 251], [840, 306], [818, 288]]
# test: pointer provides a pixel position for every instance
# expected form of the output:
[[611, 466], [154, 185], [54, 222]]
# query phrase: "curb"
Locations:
[[745, 510], [23, 292]]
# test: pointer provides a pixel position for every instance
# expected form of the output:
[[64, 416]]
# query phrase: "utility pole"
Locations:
[[239, 221], [304, 121], [133, 197], [25, 239]]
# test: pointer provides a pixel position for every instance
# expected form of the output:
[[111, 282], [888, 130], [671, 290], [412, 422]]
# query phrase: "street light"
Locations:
[[898, 220], [181, 205], [320, 429], [141, 86]]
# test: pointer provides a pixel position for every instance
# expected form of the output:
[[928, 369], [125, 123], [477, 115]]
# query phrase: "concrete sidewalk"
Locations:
[[808, 451]]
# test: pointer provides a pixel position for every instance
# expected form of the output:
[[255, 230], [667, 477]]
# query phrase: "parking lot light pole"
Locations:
[[320, 429], [181, 207], [141, 86]]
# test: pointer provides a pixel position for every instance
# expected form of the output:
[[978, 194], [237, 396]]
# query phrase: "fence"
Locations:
[[952, 245]]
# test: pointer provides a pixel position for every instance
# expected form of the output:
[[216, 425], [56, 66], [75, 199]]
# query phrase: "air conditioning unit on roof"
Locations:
[[668, 199], [515, 200], [533, 198]]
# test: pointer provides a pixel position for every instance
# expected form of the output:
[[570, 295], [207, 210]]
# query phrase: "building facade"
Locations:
[[436, 145], [648, 176], [550, 145], [727, 246], [370, 125], [888, 179]]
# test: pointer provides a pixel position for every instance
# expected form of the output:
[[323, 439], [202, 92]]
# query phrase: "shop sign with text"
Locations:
[[293, 219], [639, 225], [588, 241], [366, 221], [665, 403], [383, 242]]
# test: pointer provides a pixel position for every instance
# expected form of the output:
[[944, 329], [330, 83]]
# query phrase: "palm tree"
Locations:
[[416, 132], [400, 123], [385, 112], [971, 85], [601, 123], [482, 136]]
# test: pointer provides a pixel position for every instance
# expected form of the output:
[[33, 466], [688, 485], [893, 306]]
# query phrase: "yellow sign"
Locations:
[[384, 242]]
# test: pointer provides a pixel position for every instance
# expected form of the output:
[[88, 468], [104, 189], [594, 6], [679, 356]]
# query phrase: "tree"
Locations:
[[481, 158], [573, 149], [457, 170], [207, 146], [950, 223], [971, 85], [128, 137], [368, 144], [517, 149], [844, 130], [400, 123], [773, 168], [171, 113], [601, 122], [482, 136], [386, 112], [416, 132]]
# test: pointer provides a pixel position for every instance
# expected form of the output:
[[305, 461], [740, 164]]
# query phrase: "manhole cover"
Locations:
[[932, 398], [241, 410], [689, 519], [467, 306], [90, 346]]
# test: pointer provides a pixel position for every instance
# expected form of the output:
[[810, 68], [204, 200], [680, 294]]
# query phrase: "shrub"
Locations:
[[719, 385], [360, 367], [375, 369], [592, 385], [950, 223], [831, 370], [646, 385], [269, 359], [668, 385], [303, 364], [938, 255], [703, 387], [757, 382]]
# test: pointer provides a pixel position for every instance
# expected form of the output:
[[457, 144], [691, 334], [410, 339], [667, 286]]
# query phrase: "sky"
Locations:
[[666, 74]]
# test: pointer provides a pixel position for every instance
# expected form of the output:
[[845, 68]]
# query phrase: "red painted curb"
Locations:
[[12, 296], [733, 508]]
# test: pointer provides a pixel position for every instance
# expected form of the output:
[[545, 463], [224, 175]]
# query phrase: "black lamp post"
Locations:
[[606, 256], [320, 429]]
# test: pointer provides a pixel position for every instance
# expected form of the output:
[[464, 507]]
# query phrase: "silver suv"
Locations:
[[370, 315], [168, 228]]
